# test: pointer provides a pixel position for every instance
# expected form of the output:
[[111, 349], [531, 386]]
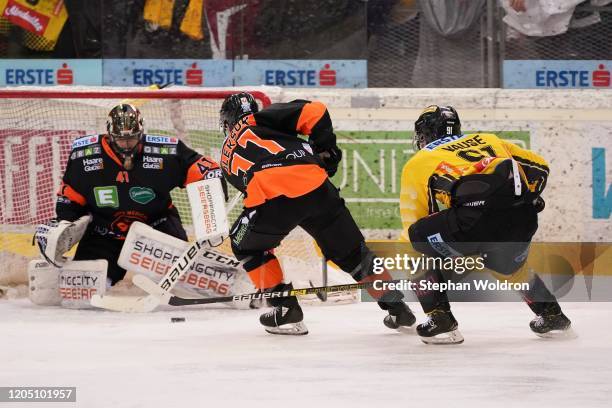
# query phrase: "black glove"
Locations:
[[539, 204], [330, 158]]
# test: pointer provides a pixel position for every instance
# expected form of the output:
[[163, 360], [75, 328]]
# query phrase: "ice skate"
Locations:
[[400, 316], [286, 317], [552, 325], [440, 328]]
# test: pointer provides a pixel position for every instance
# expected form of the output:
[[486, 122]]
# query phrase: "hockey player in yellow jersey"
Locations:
[[474, 194]]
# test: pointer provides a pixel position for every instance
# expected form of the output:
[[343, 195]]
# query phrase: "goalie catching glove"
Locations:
[[56, 237]]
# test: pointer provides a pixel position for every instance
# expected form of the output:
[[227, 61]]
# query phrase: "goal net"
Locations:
[[36, 133]]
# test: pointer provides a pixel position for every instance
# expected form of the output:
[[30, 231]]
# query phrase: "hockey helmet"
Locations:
[[234, 108], [434, 123]]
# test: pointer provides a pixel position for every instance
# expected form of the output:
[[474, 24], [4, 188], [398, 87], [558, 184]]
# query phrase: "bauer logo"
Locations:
[[51, 72], [302, 73], [145, 72]]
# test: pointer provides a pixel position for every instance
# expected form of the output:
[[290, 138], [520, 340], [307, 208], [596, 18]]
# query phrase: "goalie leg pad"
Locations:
[[43, 283], [80, 280], [151, 253]]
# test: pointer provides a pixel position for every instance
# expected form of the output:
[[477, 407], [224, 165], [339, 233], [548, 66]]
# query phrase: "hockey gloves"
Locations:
[[539, 204], [330, 158]]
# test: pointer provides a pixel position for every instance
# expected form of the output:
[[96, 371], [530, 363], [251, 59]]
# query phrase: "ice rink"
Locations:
[[223, 358]]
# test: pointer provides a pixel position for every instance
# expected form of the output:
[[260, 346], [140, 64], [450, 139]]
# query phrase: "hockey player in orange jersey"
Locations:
[[285, 181], [473, 194]]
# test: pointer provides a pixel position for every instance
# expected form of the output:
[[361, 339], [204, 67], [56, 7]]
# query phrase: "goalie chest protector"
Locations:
[[116, 196]]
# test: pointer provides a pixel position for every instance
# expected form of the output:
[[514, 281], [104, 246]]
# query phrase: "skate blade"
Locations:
[[453, 337], [566, 334], [402, 329], [290, 329], [406, 329]]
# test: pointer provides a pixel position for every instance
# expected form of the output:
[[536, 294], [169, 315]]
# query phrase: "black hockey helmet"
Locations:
[[234, 108], [434, 123]]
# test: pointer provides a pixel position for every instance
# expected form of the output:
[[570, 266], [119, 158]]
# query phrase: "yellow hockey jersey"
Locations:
[[427, 178]]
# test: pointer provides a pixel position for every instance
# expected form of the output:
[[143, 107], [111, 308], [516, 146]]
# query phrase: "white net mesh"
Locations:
[[36, 133]]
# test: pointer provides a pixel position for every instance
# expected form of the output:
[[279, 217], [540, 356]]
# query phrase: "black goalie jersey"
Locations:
[[96, 182]]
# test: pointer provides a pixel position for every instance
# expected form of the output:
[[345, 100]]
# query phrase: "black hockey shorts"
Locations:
[[321, 213], [503, 235], [94, 246]]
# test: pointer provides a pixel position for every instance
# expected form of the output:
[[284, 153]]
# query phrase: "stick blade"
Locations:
[[148, 285], [126, 304]]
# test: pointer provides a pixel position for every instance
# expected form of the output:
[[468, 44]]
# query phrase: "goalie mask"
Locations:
[[234, 108], [125, 130], [435, 123]]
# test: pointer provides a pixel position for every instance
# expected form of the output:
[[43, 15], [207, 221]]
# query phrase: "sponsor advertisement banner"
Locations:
[[17, 72], [29, 179], [145, 72], [557, 74], [302, 73]]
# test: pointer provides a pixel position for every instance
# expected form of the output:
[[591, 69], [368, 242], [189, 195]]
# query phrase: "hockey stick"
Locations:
[[158, 293], [179, 301]]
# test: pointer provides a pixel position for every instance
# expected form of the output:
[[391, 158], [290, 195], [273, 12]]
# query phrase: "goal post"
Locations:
[[36, 134]]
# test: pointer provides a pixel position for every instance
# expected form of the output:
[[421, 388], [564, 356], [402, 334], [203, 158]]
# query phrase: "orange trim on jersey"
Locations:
[[289, 181], [377, 294], [109, 151], [310, 116], [250, 120], [194, 173], [71, 194], [267, 275]]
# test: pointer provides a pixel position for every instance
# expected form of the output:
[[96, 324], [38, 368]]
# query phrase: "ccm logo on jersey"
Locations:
[[85, 141], [156, 163], [161, 139], [93, 164]]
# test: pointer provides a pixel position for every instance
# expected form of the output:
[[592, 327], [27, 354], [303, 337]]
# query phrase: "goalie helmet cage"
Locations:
[[36, 134]]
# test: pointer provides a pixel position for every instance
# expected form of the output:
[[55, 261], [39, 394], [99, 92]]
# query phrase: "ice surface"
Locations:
[[222, 358]]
